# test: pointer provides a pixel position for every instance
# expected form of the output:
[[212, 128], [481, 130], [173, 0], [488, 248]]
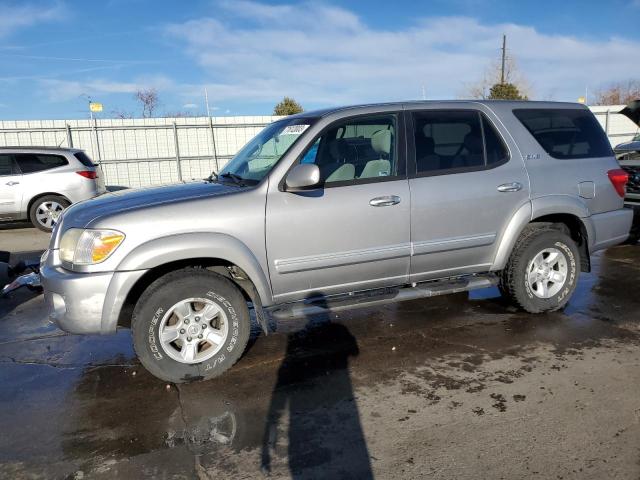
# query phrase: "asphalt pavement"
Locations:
[[462, 386]]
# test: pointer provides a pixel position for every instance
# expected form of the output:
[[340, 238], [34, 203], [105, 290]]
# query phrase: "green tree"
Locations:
[[505, 91], [288, 106]]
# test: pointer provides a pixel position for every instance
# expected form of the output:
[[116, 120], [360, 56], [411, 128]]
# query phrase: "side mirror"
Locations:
[[303, 177]]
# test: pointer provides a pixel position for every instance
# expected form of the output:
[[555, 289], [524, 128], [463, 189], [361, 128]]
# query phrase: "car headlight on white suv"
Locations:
[[88, 247]]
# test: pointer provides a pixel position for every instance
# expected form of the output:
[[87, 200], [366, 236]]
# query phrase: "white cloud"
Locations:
[[16, 16], [190, 106], [325, 54], [65, 90]]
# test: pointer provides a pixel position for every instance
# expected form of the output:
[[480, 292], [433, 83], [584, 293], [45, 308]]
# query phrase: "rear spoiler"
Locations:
[[632, 111]]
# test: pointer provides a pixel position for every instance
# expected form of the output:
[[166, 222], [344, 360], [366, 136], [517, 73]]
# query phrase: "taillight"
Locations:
[[90, 174], [619, 179]]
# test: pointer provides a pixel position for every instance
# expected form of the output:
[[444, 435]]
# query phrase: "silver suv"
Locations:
[[339, 208], [38, 183]]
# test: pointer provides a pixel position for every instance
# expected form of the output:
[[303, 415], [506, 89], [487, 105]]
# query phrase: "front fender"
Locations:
[[184, 246]]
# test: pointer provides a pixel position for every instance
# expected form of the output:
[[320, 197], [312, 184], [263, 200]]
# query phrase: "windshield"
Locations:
[[254, 161]]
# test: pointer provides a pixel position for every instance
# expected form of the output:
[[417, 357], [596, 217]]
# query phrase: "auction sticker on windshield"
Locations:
[[294, 129]]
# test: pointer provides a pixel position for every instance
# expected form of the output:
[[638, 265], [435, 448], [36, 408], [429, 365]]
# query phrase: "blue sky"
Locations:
[[249, 54]]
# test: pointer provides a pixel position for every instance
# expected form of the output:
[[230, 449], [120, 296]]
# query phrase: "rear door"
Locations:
[[10, 188], [466, 180]]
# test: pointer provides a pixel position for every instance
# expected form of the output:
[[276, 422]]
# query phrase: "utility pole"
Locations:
[[504, 54], [206, 101]]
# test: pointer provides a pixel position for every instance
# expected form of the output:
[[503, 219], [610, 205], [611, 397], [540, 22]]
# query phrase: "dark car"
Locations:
[[628, 154]]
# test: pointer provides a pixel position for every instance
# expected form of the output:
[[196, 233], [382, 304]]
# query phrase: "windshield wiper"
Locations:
[[237, 179]]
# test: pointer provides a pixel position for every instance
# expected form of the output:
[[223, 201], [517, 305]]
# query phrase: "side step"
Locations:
[[381, 296]]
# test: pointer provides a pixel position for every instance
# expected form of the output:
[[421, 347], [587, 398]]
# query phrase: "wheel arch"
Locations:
[[563, 211], [221, 253], [45, 194]]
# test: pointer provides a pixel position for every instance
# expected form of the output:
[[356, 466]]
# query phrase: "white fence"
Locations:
[[154, 151], [142, 152]]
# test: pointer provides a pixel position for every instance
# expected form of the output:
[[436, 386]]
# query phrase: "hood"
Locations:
[[625, 147], [632, 112], [83, 213]]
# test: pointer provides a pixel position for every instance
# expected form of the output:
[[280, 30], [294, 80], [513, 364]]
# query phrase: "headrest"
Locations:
[[338, 149], [381, 142]]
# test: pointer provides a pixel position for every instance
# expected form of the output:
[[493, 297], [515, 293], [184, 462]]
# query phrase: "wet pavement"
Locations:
[[462, 386]]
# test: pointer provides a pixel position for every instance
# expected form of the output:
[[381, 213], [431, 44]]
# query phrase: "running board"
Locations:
[[369, 298]]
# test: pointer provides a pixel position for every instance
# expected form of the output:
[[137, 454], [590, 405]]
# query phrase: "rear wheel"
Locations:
[[45, 211], [543, 269], [191, 324]]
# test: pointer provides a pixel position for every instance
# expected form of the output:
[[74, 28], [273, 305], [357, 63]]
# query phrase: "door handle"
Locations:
[[12, 183], [510, 187], [384, 201]]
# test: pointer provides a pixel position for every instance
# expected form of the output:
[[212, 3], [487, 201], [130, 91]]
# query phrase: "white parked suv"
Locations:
[[38, 183]]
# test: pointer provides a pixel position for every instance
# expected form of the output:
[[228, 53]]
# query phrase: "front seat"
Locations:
[[381, 144], [338, 169]]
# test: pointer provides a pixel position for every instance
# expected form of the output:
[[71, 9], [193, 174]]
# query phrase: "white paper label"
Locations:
[[294, 129]]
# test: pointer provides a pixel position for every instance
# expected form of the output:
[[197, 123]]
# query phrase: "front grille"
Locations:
[[633, 186]]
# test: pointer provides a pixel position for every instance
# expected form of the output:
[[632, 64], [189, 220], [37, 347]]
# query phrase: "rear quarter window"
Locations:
[[84, 159], [566, 133]]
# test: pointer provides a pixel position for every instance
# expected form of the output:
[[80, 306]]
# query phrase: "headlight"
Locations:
[[88, 247]]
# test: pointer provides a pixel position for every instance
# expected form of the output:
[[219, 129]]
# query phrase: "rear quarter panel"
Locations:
[[551, 176]]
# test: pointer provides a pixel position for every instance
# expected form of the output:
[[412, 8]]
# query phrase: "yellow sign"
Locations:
[[581, 100], [95, 107]]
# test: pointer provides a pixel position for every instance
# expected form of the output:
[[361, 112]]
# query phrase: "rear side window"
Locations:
[[6, 165], [37, 162], [84, 159], [455, 140], [566, 133]]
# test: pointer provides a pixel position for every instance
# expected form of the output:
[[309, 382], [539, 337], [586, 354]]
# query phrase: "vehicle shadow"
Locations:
[[13, 225], [325, 437]]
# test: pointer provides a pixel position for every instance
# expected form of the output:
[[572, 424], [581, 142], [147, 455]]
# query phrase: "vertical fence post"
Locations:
[[95, 130], [606, 123], [213, 142], [175, 139], [69, 136]]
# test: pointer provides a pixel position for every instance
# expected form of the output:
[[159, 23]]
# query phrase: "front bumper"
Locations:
[[85, 302]]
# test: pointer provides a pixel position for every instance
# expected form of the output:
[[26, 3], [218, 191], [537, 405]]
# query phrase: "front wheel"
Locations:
[[543, 270], [191, 324]]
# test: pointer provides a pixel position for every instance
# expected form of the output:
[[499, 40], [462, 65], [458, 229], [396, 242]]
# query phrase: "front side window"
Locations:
[[6, 165], [37, 162], [256, 159], [455, 140], [357, 150], [566, 133]]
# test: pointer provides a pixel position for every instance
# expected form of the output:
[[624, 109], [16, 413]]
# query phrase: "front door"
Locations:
[[10, 188], [353, 232], [467, 181]]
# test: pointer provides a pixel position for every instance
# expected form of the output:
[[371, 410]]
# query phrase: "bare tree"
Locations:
[[492, 76], [122, 114], [618, 93], [148, 98]]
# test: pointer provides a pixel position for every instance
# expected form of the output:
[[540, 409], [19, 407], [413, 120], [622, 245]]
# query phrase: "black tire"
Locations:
[[157, 301], [533, 240], [33, 211]]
